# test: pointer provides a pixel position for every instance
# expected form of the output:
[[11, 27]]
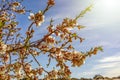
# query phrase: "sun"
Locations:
[[109, 4], [108, 8], [107, 11]]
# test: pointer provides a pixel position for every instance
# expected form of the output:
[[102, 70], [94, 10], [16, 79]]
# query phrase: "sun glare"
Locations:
[[109, 4], [108, 10]]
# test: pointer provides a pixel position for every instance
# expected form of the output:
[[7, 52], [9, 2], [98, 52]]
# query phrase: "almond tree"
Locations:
[[15, 49]]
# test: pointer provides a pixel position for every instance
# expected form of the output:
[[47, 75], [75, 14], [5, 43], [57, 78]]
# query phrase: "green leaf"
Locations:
[[100, 48], [84, 11], [2, 24], [80, 27], [14, 23], [74, 35]]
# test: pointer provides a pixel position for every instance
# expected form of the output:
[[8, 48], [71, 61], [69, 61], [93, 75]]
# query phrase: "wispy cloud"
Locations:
[[108, 62], [115, 58], [105, 65], [112, 72], [108, 66], [86, 74], [111, 59]]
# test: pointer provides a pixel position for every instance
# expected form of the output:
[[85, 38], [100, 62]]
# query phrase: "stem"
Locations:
[[7, 37], [22, 61], [47, 8], [30, 26], [38, 62], [9, 63]]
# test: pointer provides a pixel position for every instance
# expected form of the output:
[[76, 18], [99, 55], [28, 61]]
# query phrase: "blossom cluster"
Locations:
[[3, 16], [51, 2], [37, 18], [19, 53], [3, 48], [15, 6]]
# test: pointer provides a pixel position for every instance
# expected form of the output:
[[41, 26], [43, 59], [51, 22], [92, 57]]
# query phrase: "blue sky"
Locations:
[[102, 28]]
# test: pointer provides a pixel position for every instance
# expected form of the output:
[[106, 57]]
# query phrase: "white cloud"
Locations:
[[115, 58], [108, 62], [110, 59], [105, 65], [108, 66], [105, 69], [86, 74], [113, 72]]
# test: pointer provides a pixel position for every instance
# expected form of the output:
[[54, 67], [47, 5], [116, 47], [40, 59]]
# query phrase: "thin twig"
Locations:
[[38, 62]]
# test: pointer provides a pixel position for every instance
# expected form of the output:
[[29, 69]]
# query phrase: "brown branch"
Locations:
[[49, 61], [9, 63], [7, 37], [38, 62], [46, 9], [22, 61], [30, 26]]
